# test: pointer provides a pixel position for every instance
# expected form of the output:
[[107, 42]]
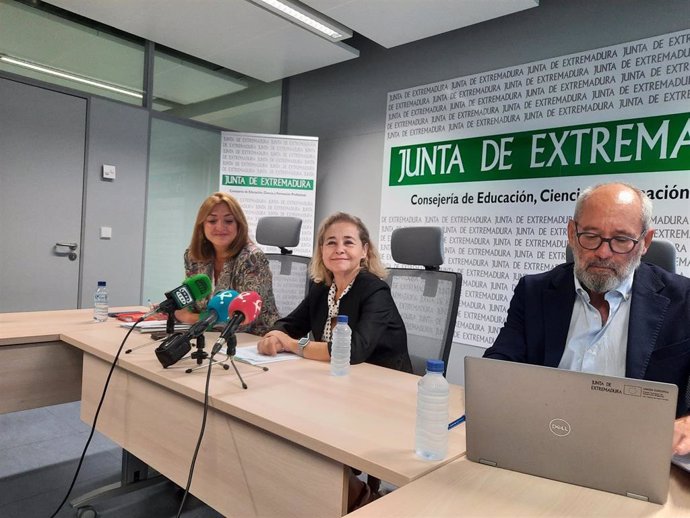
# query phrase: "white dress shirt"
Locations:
[[591, 346]]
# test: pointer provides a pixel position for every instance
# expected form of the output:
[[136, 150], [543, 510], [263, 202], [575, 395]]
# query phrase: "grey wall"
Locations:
[[117, 134], [344, 105]]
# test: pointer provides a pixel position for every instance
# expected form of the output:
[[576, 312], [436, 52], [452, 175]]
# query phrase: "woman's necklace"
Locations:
[[333, 307]]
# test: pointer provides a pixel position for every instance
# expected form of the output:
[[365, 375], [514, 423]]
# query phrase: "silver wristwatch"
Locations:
[[303, 342]]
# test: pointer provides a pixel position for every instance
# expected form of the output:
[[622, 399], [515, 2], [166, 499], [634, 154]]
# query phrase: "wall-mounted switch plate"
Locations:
[[106, 232], [109, 172]]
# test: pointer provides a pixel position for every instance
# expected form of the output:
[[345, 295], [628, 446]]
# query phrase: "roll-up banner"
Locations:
[[272, 175]]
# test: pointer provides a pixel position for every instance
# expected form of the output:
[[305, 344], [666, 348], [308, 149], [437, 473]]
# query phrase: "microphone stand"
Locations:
[[232, 349], [170, 323], [232, 345], [200, 355], [231, 342]]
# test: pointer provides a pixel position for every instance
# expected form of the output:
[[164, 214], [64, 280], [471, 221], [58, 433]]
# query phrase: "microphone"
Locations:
[[217, 311], [193, 288], [243, 310], [177, 345], [220, 303]]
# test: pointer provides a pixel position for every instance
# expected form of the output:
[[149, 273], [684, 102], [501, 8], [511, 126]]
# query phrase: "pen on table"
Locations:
[[455, 423]]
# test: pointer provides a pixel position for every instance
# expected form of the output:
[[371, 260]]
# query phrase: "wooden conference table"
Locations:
[[279, 448], [469, 489]]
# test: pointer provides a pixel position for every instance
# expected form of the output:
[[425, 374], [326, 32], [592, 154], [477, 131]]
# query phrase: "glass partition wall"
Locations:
[[184, 164]]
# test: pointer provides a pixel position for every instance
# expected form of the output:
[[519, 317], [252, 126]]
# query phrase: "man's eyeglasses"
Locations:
[[617, 244]]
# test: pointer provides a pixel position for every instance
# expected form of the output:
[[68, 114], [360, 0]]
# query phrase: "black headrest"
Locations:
[[421, 246], [280, 231]]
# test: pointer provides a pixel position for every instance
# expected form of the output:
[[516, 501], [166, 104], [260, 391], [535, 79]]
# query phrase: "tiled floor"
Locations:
[[39, 452]]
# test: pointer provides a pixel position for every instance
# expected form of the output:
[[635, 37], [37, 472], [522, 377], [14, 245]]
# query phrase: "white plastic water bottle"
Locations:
[[340, 347], [431, 438], [100, 303]]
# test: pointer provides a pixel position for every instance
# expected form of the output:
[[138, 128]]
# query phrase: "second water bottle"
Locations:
[[340, 347], [432, 413]]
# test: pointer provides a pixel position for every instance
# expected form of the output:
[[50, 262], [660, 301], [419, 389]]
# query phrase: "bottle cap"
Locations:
[[434, 365], [342, 319], [101, 283]]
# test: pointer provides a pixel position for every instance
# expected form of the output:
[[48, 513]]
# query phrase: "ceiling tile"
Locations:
[[238, 35], [234, 34], [181, 82], [391, 23]]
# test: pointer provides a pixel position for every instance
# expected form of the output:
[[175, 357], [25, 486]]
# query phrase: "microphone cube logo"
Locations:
[[183, 296], [227, 296]]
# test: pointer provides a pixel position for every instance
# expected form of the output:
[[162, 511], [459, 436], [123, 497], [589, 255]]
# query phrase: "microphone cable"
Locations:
[[201, 436], [95, 418]]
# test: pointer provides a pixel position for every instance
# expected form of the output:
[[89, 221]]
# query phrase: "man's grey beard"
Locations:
[[601, 283]]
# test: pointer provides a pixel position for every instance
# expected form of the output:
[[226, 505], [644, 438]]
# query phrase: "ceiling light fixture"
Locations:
[[306, 17], [71, 77]]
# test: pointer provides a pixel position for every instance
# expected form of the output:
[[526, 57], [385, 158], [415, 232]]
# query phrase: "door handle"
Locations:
[[71, 246], [71, 254]]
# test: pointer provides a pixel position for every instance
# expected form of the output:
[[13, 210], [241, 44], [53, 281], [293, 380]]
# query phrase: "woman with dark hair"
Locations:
[[221, 248]]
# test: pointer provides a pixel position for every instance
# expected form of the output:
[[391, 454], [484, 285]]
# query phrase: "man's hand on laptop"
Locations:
[[681, 436]]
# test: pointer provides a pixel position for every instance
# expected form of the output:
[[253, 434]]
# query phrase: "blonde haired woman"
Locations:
[[347, 280], [347, 274], [221, 248]]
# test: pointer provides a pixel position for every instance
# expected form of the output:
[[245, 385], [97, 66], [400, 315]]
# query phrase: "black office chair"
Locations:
[[290, 272], [426, 298], [661, 253]]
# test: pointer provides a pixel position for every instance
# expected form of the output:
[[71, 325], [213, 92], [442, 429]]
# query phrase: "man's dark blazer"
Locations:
[[538, 319]]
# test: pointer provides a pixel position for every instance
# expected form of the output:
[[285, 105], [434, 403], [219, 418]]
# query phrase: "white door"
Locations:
[[42, 142]]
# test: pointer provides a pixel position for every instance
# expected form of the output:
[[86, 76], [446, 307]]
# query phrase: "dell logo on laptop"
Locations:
[[559, 427]]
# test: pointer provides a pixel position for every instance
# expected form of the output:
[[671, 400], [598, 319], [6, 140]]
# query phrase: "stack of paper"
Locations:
[[151, 326], [251, 355]]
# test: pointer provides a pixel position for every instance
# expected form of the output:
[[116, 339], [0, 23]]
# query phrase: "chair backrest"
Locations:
[[660, 252], [426, 299], [290, 272], [280, 231]]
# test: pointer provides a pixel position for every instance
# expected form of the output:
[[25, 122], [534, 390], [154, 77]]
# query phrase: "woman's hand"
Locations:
[[185, 316], [681, 436], [275, 342]]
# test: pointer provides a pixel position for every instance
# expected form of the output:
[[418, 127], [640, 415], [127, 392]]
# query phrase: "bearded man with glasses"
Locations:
[[608, 313]]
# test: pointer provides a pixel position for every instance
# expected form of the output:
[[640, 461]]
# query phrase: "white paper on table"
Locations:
[[250, 354], [149, 326]]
